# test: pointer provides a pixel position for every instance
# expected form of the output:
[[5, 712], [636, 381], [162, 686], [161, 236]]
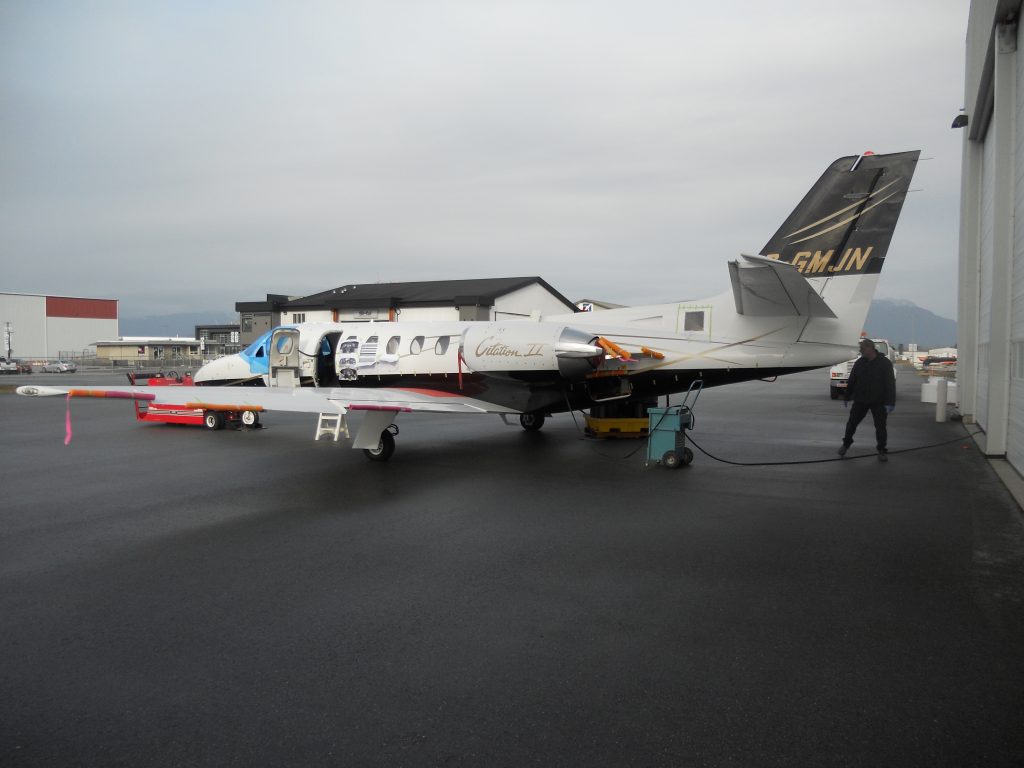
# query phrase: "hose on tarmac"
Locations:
[[822, 461]]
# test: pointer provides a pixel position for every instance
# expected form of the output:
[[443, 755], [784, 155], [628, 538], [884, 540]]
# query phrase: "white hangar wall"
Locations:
[[991, 280], [27, 316], [49, 327], [527, 300]]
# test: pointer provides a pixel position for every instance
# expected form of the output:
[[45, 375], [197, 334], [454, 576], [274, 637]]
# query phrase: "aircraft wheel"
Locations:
[[250, 418], [384, 448], [213, 420], [671, 460], [531, 422], [687, 457]]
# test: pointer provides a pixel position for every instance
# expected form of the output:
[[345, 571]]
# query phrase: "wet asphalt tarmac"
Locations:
[[172, 596]]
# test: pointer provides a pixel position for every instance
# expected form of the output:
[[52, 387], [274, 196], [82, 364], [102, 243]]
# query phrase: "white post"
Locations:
[[941, 388]]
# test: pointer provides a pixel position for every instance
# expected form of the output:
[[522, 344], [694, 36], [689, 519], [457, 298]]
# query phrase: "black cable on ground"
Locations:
[[821, 461]]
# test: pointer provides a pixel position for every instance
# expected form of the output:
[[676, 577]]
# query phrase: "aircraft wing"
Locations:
[[297, 399], [770, 288]]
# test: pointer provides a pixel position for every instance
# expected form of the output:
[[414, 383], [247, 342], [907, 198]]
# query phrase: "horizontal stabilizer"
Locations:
[[768, 288]]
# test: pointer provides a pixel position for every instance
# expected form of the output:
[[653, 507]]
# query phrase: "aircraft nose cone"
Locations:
[[230, 368]]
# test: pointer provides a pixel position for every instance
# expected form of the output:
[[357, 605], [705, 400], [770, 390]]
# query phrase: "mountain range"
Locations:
[[903, 322], [899, 321]]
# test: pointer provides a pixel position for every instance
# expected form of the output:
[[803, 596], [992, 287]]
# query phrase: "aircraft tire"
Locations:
[[531, 422], [384, 448], [213, 420]]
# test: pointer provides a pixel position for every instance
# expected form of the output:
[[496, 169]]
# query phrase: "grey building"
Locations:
[[257, 317], [991, 267], [216, 340]]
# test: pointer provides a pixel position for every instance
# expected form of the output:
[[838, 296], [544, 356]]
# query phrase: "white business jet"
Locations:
[[800, 304]]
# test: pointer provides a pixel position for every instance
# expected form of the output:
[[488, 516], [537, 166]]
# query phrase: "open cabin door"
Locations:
[[284, 358]]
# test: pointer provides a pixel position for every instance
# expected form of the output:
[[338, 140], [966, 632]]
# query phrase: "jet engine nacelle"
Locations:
[[530, 351]]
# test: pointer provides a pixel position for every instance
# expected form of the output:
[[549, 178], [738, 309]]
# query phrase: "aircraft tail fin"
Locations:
[[844, 224], [825, 260]]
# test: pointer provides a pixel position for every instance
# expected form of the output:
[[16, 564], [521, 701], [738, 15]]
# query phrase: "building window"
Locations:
[[176, 351], [693, 321], [245, 321], [158, 353], [298, 317]]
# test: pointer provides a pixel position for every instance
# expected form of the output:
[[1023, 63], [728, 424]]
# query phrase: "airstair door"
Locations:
[[284, 358]]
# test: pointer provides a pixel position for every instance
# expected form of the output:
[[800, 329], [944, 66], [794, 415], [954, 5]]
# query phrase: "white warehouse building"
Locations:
[[991, 297], [37, 327]]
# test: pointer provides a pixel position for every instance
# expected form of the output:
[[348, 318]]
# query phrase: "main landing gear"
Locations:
[[385, 447], [531, 422]]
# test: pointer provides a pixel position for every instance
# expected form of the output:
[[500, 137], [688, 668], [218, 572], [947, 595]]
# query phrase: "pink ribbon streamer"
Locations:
[[67, 422]]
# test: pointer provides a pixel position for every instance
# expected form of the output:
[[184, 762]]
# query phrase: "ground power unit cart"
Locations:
[[666, 442]]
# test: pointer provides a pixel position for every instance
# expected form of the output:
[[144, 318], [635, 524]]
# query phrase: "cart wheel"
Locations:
[[687, 457], [384, 448], [531, 422], [671, 460], [213, 420], [250, 418]]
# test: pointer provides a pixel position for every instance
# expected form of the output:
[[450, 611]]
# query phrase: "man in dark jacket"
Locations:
[[872, 387]]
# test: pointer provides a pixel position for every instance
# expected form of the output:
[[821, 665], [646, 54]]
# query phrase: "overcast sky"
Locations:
[[183, 156]]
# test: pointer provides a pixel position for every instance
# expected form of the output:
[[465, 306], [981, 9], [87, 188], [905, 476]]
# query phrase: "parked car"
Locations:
[[8, 366], [24, 366], [60, 366]]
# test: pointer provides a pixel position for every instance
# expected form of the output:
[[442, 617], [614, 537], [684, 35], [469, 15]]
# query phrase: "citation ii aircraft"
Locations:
[[800, 304]]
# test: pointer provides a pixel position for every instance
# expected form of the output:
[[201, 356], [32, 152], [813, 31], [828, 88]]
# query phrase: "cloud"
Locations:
[[617, 151]]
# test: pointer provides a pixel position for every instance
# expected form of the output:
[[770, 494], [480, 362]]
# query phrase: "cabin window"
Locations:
[[693, 321], [416, 345], [393, 342], [284, 345], [442, 345]]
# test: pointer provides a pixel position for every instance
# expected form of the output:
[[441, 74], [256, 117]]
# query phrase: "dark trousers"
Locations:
[[857, 413]]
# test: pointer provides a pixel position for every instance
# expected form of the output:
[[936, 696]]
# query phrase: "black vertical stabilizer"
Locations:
[[843, 226]]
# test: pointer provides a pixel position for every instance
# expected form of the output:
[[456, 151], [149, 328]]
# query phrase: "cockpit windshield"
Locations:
[[259, 348]]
